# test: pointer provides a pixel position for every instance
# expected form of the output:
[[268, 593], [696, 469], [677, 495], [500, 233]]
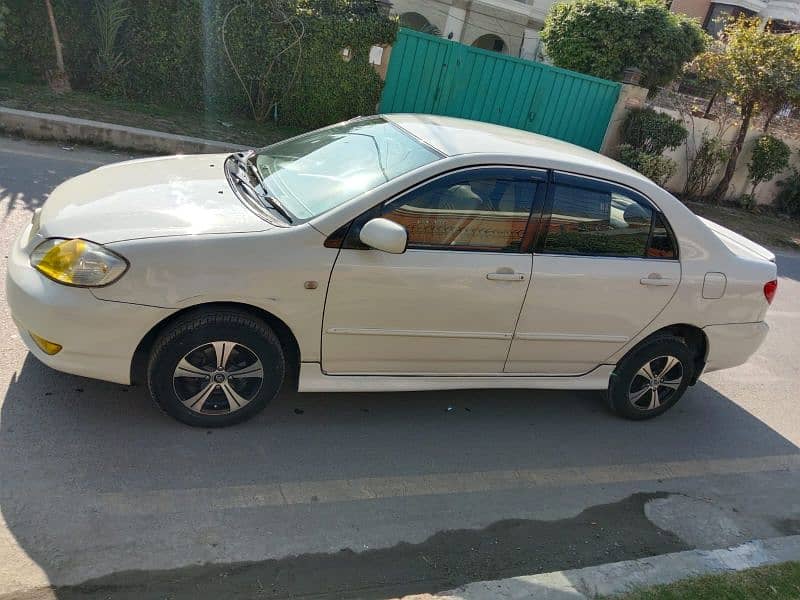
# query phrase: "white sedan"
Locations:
[[394, 252]]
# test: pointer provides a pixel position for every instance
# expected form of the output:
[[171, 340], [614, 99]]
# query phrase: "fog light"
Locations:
[[47, 346]]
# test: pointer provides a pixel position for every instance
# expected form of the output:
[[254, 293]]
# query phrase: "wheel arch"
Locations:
[[288, 341], [694, 337]]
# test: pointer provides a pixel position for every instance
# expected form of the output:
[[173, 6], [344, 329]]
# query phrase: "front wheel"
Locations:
[[215, 368], [651, 379]]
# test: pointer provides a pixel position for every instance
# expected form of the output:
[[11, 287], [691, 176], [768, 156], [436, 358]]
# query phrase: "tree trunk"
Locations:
[[60, 80], [768, 121], [722, 187], [710, 105]]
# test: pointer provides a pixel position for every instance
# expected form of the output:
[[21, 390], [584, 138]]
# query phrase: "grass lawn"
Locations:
[[764, 227], [39, 98], [777, 582]]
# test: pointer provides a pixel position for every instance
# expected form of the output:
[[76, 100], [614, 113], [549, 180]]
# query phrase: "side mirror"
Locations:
[[385, 235]]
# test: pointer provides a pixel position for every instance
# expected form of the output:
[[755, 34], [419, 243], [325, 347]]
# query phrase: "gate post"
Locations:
[[630, 96]]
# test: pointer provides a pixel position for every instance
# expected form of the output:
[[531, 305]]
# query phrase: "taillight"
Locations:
[[769, 290]]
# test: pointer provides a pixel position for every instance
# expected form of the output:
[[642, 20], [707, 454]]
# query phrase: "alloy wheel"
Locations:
[[218, 377], [655, 383]]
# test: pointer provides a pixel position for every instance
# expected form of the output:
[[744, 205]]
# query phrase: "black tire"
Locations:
[[627, 380], [193, 335]]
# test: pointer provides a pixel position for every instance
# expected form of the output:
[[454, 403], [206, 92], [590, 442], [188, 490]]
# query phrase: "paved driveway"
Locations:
[[369, 495]]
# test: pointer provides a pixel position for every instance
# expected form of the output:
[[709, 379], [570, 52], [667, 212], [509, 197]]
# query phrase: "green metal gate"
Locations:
[[432, 75]]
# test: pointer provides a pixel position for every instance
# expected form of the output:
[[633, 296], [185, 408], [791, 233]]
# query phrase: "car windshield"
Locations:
[[320, 170]]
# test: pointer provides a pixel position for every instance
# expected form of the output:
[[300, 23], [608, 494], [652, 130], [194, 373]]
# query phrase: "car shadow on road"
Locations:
[[68, 444]]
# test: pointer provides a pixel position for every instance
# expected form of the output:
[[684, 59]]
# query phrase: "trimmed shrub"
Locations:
[[604, 37], [651, 131], [770, 157], [711, 153], [653, 166], [788, 198], [646, 133]]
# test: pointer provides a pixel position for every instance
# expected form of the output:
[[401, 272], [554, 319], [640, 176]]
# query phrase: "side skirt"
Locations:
[[312, 379]]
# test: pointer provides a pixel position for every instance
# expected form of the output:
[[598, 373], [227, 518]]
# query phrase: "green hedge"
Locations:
[[175, 56], [27, 51], [351, 88]]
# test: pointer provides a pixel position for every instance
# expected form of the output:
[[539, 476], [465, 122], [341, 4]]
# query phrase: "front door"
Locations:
[[449, 304], [605, 265]]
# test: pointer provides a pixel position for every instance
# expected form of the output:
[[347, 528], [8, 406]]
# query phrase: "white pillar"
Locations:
[[454, 25], [530, 44]]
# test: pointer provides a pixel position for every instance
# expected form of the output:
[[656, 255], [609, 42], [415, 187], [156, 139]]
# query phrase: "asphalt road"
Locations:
[[371, 495]]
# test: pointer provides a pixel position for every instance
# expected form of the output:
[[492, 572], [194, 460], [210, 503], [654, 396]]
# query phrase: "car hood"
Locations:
[[145, 198]]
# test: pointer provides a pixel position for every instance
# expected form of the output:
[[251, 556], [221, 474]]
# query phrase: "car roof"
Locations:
[[452, 136]]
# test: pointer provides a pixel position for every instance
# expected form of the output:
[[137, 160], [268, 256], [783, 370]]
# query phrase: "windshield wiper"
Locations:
[[246, 160], [244, 176]]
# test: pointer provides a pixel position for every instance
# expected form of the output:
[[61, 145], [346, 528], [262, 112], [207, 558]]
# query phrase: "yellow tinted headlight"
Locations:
[[78, 262]]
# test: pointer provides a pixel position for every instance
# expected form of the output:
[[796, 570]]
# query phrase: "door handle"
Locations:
[[505, 276], [656, 281]]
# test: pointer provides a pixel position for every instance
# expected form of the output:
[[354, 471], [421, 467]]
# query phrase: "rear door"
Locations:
[[605, 264]]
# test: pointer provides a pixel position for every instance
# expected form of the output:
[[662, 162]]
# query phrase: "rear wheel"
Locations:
[[215, 368], [651, 379]]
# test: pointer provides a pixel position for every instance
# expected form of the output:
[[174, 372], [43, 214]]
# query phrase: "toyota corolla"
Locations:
[[395, 252]]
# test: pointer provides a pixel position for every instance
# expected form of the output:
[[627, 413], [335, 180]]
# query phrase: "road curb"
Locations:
[[617, 578], [44, 126]]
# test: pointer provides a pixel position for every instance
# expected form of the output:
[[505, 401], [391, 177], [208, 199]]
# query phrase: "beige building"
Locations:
[[513, 26], [508, 26], [784, 14]]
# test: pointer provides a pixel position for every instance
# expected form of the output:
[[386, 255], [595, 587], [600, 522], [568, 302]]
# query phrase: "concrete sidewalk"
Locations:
[[621, 577], [44, 126]]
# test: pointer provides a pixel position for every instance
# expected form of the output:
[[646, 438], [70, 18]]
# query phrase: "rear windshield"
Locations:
[[320, 170]]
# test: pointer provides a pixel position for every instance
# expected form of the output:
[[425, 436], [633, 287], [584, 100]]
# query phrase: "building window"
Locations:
[[781, 26], [417, 22], [719, 14], [490, 41]]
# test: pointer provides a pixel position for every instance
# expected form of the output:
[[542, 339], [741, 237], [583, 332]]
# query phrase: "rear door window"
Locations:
[[590, 218]]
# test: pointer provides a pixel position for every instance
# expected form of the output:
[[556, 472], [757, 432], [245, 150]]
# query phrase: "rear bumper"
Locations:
[[98, 337], [733, 344]]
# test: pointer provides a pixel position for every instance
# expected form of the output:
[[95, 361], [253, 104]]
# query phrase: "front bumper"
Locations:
[[733, 344], [99, 337]]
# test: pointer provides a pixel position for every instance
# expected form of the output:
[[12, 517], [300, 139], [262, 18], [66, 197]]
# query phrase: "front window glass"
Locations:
[[473, 213], [320, 170]]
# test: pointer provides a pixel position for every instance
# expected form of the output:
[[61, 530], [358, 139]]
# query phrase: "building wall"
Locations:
[[693, 8], [765, 193], [784, 10], [482, 20], [516, 22], [433, 10], [630, 97]]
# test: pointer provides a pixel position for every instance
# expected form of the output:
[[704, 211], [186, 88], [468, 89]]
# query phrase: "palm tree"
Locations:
[[59, 81]]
